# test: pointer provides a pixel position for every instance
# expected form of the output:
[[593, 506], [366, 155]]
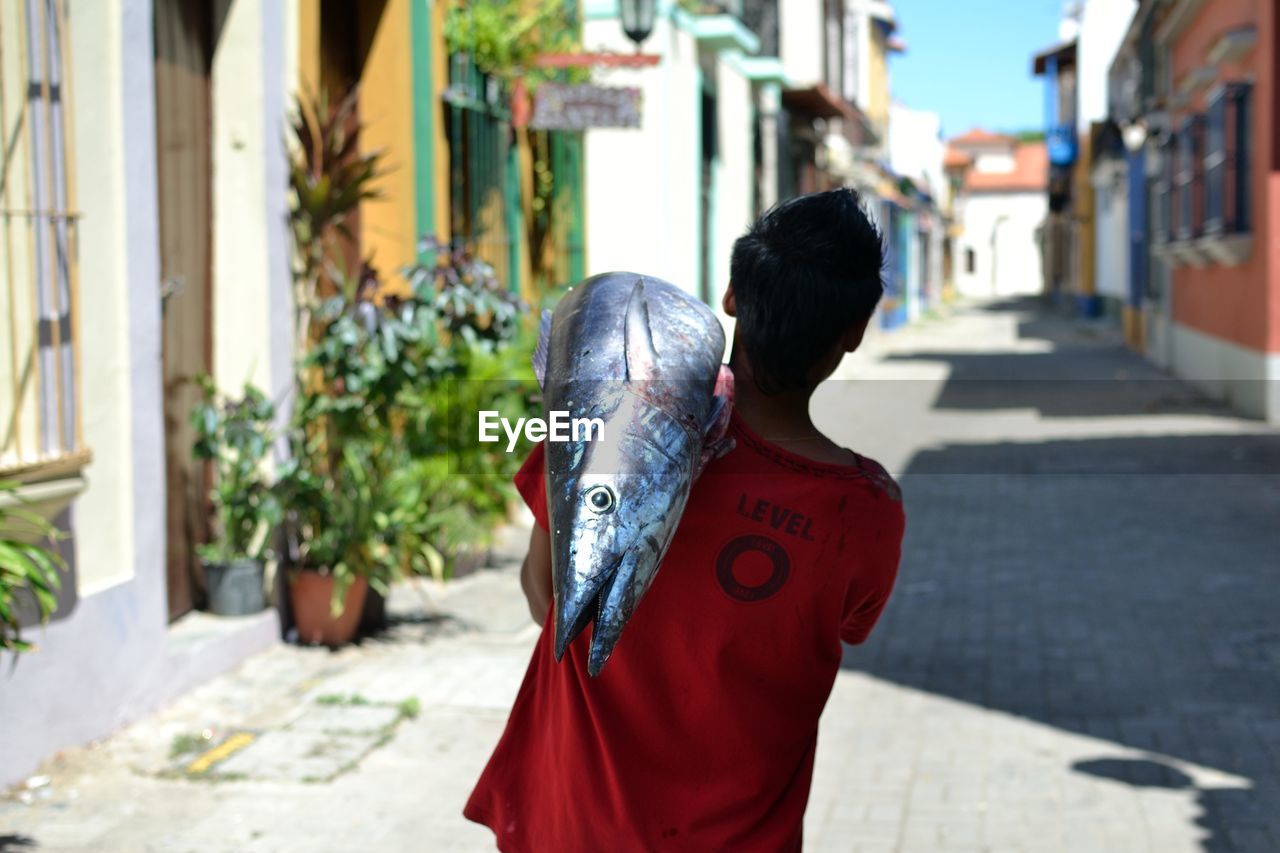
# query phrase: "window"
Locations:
[[1147, 62], [39, 416], [481, 163], [1228, 160], [1162, 224], [1187, 178], [833, 21], [970, 260], [761, 17]]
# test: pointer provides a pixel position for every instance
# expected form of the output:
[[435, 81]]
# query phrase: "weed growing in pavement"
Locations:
[[340, 699], [187, 742]]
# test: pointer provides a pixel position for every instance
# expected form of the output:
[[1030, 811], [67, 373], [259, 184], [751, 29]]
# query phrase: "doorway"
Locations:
[[184, 37]]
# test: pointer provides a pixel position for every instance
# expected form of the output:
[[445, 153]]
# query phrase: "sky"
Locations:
[[970, 61]]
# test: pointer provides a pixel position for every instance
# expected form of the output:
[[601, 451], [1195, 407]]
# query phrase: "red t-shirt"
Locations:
[[700, 732]]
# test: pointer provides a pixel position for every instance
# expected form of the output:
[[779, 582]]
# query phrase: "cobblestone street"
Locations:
[[1083, 652]]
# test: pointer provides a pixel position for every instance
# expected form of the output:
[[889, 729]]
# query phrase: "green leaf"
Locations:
[[434, 559]]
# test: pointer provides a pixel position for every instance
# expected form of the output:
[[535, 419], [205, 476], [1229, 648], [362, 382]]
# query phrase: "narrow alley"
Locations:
[[1081, 655]]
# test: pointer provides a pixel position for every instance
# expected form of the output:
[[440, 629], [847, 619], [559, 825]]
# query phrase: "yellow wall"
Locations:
[[388, 226], [1082, 204], [308, 46], [878, 71]]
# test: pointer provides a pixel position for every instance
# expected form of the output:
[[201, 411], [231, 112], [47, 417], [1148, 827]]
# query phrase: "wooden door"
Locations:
[[183, 52]]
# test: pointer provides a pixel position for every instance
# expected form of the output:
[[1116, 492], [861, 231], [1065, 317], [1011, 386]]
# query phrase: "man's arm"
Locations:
[[868, 595], [535, 574]]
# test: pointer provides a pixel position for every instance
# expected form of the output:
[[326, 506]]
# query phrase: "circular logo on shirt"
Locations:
[[753, 567]]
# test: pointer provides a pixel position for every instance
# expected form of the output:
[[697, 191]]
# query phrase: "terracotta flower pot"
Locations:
[[310, 594]]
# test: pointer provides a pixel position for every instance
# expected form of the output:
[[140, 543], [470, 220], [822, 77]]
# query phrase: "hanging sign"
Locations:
[[558, 106], [607, 60]]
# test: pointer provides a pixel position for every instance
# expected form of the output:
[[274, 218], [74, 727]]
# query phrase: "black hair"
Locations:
[[804, 274]]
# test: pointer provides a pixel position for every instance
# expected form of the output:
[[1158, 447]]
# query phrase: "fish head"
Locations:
[[624, 508], [642, 357]]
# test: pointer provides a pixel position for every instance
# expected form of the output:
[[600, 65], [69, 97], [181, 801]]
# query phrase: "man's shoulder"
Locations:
[[858, 484], [879, 476]]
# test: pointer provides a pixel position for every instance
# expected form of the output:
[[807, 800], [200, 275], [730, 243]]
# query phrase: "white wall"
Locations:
[[916, 149], [1247, 379], [857, 54], [241, 287], [642, 184], [1007, 222], [1102, 27], [800, 40], [994, 161], [1111, 232], [734, 174], [104, 512]]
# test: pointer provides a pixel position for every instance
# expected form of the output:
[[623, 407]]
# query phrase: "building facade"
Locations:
[[1002, 209], [149, 172], [770, 94], [669, 197], [1080, 252], [146, 242], [1195, 86], [916, 154]]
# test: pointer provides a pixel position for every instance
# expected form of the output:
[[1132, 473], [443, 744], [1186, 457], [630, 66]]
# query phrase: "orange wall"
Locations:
[[1237, 303], [1269, 41]]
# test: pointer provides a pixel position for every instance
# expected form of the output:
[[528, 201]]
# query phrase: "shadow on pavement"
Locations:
[[1086, 372], [1139, 772], [1223, 810], [1097, 382], [1121, 588], [1129, 455]]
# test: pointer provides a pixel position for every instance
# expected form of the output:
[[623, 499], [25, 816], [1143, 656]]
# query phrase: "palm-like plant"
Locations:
[[26, 567], [330, 177]]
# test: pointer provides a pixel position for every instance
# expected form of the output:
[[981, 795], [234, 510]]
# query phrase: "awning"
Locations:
[[818, 101], [1061, 54]]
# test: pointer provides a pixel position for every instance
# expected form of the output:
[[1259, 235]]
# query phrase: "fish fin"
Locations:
[[716, 441], [540, 351], [642, 358]]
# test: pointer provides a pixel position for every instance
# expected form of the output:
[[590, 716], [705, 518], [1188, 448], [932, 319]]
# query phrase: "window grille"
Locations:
[[482, 168], [1162, 225], [1228, 160], [39, 413], [1188, 178]]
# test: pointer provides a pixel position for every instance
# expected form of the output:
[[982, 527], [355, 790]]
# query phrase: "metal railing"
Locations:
[[482, 168], [39, 411]]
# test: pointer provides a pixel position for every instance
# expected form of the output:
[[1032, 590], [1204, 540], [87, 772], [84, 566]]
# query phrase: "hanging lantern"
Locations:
[[637, 19]]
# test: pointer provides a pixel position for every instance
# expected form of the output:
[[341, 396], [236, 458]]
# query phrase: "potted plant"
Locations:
[[367, 492], [343, 542], [235, 435], [456, 489], [325, 523], [30, 572]]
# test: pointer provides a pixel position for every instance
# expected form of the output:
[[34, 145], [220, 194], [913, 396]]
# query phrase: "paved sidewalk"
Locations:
[[1083, 653]]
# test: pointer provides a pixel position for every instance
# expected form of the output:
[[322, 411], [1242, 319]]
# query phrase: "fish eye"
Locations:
[[600, 499]]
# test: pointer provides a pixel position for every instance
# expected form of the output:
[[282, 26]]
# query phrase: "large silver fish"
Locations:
[[644, 358]]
